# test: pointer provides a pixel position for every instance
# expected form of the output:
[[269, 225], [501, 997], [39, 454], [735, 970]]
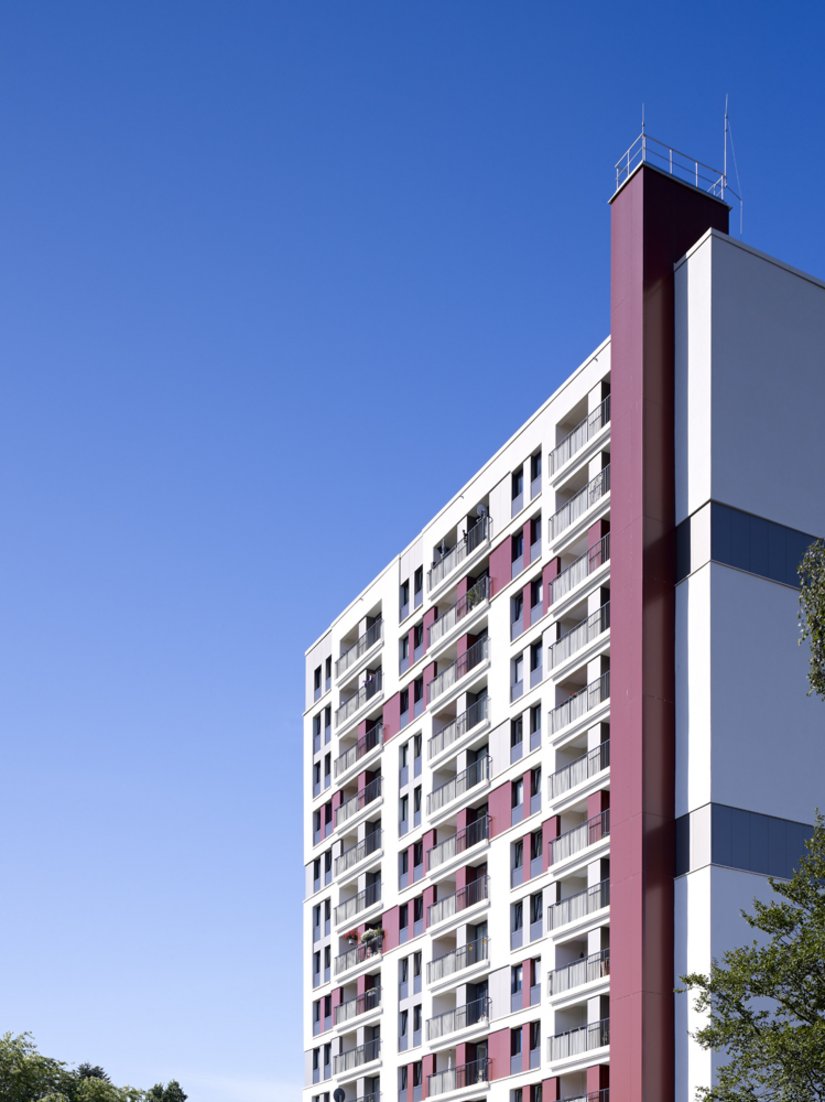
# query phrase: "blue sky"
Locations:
[[244, 245]]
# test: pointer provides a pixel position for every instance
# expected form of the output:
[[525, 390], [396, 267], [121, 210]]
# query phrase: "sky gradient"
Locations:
[[243, 246]]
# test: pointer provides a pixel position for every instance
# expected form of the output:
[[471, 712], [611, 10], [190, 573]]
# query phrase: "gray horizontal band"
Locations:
[[720, 835]]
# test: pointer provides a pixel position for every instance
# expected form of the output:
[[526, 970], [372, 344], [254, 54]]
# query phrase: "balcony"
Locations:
[[578, 771], [354, 703], [580, 837], [362, 1004], [365, 642], [361, 748], [578, 906], [580, 703], [364, 1054], [450, 905], [580, 635], [576, 1041], [602, 1095], [355, 956], [594, 967], [468, 778], [453, 1079], [474, 538], [462, 1017], [365, 899], [477, 713], [351, 857], [472, 600], [466, 956], [478, 831], [579, 569], [578, 437], [474, 656], [359, 801], [569, 513]]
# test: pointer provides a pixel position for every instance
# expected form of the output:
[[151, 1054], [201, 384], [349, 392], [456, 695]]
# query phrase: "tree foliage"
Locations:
[[766, 1001], [28, 1076], [812, 614]]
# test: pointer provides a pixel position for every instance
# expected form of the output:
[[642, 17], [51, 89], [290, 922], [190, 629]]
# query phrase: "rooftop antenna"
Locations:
[[729, 138], [644, 137]]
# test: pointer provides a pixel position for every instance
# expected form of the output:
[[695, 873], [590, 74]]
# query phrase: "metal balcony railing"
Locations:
[[468, 778], [475, 596], [575, 1041], [580, 635], [476, 654], [595, 489], [579, 905], [366, 898], [579, 569], [457, 728], [580, 770], [360, 647], [360, 800], [592, 1096], [457, 960], [473, 539], [361, 748], [364, 1054], [594, 967], [471, 835], [348, 858], [585, 700], [352, 704], [580, 837], [578, 437], [353, 1008], [453, 1079], [356, 955], [461, 1018], [474, 892]]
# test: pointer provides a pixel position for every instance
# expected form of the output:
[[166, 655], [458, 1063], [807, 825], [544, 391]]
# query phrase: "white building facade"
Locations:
[[542, 771]]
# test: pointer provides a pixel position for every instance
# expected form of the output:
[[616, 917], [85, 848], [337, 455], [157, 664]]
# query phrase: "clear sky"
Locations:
[[244, 246]]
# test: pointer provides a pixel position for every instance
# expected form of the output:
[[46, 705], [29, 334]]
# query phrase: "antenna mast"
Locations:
[[725, 151]]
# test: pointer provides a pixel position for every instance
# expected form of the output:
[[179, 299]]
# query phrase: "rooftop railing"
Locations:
[[461, 1018], [471, 835], [579, 436], [360, 647], [472, 893], [580, 770], [457, 728], [578, 570], [457, 960], [585, 700], [360, 800], [579, 905], [580, 635], [453, 1079], [580, 837], [594, 967], [468, 778], [473, 539], [595, 489], [361, 748], [474, 655], [475, 596], [575, 1041], [351, 705]]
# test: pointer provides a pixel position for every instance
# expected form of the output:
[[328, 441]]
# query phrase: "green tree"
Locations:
[[172, 1092], [766, 1000], [812, 614]]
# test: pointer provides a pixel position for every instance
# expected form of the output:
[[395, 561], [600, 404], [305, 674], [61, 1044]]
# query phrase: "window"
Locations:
[[402, 919], [418, 695], [535, 908], [403, 867], [418, 912], [316, 777], [418, 852], [535, 788], [516, 977], [516, 738], [517, 677], [402, 1078], [417, 1074], [417, 805], [417, 1019], [535, 535], [515, 1041], [517, 792], [536, 592], [535, 845], [535, 726], [535, 467], [404, 754], [404, 706], [403, 652], [403, 814], [404, 599], [328, 672], [517, 484], [327, 723], [418, 586], [516, 615], [403, 1019], [316, 732], [536, 1092], [516, 546]]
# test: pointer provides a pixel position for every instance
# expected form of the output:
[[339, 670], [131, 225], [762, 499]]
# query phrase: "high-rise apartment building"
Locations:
[[564, 736]]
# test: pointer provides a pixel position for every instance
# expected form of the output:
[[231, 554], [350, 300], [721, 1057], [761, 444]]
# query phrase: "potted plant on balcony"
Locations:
[[373, 938], [351, 938]]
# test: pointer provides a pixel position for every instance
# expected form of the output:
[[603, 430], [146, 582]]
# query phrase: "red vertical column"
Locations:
[[655, 219]]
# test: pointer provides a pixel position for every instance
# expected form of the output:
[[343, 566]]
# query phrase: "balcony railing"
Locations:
[[592, 1096], [364, 1054], [576, 1041], [580, 635], [585, 700], [457, 960], [476, 654], [366, 898], [360, 647], [356, 955], [594, 967], [474, 892], [579, 436], [473, 539], [580, 770], [471, 835], [475, 714], [580, 837], [578, 570], [475, 596], [361, 748], [353, 1008], [453, 1079], [468, 778], [348, 858], [579, 905], [371, 686], [360, 800], [595, 489], [461, 1018]]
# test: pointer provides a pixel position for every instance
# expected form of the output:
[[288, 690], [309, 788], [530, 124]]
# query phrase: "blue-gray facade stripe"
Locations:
[[746, 840]]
